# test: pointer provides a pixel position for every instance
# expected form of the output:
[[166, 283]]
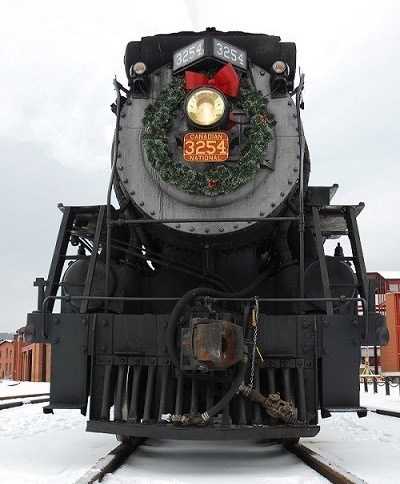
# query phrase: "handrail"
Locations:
[[299, 91], [341, 299], [204, 220], [117, 87]]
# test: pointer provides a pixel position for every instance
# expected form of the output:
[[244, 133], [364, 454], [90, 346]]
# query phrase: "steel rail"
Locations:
[[111, 462], [12, 404], [382, 411], [328, 469], [12, 397]]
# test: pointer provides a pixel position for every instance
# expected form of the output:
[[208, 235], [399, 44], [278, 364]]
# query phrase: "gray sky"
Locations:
[[58, 60]]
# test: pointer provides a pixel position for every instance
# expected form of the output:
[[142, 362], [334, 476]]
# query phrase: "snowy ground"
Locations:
[[38, 448], [380, 400], [166, 462], [368, 447], [9, 388]]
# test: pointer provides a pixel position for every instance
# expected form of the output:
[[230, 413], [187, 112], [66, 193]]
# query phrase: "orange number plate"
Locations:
[[211, 147]]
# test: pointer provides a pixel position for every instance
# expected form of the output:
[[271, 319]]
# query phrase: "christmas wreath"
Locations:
[[158, 122]]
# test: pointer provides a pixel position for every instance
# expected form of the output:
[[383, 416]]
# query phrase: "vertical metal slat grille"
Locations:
[[143, 394]]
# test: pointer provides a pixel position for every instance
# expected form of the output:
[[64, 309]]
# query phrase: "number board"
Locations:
[[229, 53], [188, 54], [206, 48], [206, 147]]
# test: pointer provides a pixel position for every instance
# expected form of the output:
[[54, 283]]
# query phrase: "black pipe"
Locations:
[[110, 185], [213, 411], [301, 186], [194, 397], [105, 403], [149, 393], [171, 264], [146, 221], [271, 380], [163, 393], [242, 411], [257, 409], [226, 418], [121, 383], [287, 389], [301, 395], [282, 245], [133, 410], [271, 388], [210, 392], [179, 392]]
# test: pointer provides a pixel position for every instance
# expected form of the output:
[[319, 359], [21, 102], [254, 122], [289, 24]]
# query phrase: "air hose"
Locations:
[[199, 418]]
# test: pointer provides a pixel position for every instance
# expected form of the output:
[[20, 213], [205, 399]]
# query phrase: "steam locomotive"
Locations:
[[204, 306]]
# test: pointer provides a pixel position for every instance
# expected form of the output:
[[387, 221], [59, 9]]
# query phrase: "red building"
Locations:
[[25, 362], [387, 302], [387, 282], [34, 360], [7, 354], [390, 354]]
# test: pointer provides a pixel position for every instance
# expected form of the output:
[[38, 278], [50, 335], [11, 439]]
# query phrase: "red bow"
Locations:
[[226, 80]]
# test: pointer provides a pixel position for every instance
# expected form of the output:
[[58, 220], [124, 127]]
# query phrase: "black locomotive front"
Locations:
[[204, 307]]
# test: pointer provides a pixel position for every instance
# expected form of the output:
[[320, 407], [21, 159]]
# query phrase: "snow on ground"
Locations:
[[169, 461], [368, 447], [39, 448], [10, 388], [381, 400], [50, 449]]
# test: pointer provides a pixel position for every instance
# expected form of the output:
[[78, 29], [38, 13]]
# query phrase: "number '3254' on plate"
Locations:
[[207, 147]]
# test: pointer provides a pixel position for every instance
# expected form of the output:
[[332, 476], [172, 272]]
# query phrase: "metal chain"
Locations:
[[207, 304], [254, 322]]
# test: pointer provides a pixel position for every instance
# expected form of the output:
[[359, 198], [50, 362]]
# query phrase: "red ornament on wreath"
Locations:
[[212, 183]]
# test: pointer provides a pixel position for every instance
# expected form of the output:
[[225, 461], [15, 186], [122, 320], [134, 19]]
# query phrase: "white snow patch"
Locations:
[[381, 400], [50, 449], [10, 388], [39, 448], [188, 462]]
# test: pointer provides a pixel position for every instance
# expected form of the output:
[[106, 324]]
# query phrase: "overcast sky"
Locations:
[[58, 59]]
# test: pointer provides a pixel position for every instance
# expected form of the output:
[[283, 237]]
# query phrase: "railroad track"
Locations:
[[389, 413], [111, 462], [12, 397], [325, 467], [17, 400], [118, 456]]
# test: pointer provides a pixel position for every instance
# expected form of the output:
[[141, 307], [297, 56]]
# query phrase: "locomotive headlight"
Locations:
[[279, 67], [139, 68], [206, 107]]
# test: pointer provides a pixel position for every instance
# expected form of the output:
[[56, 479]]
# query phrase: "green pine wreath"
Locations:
[[157, 123]]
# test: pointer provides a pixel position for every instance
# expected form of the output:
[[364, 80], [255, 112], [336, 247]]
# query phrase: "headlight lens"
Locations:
[[205, 106], [139, 68], [279, 67]]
